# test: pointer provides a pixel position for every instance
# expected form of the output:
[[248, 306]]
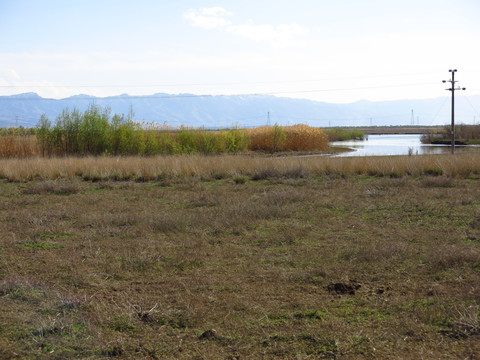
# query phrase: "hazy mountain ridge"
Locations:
[[244, 111]]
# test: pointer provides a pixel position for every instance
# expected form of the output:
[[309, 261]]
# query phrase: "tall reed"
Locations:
[[288, 138], [18, 146]]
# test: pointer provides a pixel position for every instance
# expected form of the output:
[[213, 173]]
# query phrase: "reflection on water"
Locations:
[[377, 145]]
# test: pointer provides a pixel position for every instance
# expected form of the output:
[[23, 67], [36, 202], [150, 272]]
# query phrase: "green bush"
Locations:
[[44, 129], [235, 140], [279, 138], [93, 132], [185, 142], [209, 143]]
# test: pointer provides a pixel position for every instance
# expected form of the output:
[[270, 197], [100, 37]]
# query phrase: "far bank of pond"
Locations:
[[396, 130], [395, 144]]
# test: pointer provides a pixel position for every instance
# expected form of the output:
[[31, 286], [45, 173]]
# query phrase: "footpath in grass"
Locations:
[[354, 267]]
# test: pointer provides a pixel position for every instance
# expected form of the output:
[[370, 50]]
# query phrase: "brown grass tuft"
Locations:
[[59, 187]]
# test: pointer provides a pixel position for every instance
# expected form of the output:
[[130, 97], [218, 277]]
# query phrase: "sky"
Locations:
[[333, 51]]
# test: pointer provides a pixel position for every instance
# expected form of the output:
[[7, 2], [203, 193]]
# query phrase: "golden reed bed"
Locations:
[[231, 166]]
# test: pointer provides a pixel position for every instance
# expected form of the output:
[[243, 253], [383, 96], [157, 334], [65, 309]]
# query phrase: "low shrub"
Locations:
[[432, 171]]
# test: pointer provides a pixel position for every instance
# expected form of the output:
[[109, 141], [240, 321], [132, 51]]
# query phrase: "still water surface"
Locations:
[[378, 145]]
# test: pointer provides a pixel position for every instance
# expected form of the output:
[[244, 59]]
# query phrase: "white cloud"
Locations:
[[209, 18], [279, 36], [216, 11], [282, 35]]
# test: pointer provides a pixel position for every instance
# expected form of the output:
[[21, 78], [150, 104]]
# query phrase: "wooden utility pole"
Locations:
[[452, 89]]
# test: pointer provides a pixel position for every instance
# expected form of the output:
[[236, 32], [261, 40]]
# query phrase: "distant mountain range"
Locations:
[[245, 111]]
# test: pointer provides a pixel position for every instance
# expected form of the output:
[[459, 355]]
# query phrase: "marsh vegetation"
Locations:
[[97, 132]]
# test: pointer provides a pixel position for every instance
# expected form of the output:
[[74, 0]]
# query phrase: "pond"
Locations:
[[395, 144]]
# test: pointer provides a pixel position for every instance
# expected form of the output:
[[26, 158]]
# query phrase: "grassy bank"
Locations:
[[233, 257]]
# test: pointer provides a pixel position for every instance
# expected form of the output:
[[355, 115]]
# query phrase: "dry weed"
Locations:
[[287, 138], [13, 146], [467, 322], [60, 187]]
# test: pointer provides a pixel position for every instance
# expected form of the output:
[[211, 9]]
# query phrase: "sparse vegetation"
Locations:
[[464, 134], [240, 257]]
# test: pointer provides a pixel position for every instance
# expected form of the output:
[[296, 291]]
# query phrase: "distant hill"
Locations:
[[244, 111]]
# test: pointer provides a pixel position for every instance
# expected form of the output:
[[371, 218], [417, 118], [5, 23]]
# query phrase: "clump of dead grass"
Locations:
[[445, 257], [59, 187], [467, 322], [14, 286], [446, 182]]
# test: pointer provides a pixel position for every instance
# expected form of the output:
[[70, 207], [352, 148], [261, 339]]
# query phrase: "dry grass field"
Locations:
[[228, 257], [166, 168]]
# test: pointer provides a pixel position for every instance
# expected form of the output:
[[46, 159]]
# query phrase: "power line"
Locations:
[[224, 83], [469, 102], [438, 111], [168, 96]]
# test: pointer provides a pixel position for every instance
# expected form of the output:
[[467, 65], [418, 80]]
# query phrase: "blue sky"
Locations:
[[335, 51]]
